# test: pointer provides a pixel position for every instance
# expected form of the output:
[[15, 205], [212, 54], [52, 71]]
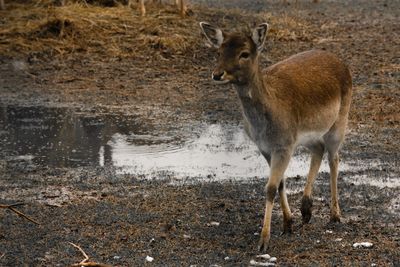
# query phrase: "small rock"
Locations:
[[264, 256], [149, 259], [186, 236], [117, 257], [213, 224], [363, 245], [227, 258], [273, 259], [329, 231], [257, 263], [338, 239]]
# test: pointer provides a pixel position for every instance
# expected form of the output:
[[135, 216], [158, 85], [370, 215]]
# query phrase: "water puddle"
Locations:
[[60, 137], [220, 152]]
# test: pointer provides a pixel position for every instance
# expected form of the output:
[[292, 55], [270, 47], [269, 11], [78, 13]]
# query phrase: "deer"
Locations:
[[303, 100]]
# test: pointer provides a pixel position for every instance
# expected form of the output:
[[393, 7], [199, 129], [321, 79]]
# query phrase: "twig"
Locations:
[[13, 209], [85, 261], [11, 205]]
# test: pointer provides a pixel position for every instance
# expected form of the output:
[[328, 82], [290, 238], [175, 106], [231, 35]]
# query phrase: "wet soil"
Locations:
[[78, 129]]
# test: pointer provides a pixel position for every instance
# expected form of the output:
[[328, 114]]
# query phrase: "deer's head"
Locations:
[[238, 52]]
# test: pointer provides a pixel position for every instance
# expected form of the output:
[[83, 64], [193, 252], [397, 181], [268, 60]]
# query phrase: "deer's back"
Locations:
[[309, 86]]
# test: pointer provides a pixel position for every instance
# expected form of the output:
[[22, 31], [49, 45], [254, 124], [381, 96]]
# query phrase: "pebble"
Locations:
[[363, 245], [257, 263], [329, 231], [149, 259], [264, 256], [214, 223], [270, 260]]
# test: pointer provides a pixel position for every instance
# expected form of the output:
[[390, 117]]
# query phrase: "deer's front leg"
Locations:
[[279, 162]]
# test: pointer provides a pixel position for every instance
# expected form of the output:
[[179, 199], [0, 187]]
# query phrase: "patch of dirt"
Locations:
[[95, 60]]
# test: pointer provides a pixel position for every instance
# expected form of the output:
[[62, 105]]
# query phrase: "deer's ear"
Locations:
[[259, 35], [213, 34]]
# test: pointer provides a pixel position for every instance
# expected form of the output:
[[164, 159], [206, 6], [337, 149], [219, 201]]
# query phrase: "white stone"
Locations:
[[273, 259], [264, 256], [363, 245], [149, 259], [257, 263]]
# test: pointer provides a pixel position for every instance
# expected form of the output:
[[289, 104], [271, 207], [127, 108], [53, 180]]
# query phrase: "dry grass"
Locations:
[[43, 29], [76, 27]]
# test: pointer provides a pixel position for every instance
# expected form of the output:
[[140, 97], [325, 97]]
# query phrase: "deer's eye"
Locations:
[[244, 55]]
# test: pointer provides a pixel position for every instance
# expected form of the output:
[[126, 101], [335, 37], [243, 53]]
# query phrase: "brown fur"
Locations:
[[303, 100]]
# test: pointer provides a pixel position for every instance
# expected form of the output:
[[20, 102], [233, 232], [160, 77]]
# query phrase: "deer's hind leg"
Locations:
[[317, 151], [287, 214], [333, 140]]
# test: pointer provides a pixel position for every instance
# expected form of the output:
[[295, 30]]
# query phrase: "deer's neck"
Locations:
[[257, 109], [255, 90]]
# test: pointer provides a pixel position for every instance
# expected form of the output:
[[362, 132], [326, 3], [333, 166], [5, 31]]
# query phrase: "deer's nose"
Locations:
[[217, 75]]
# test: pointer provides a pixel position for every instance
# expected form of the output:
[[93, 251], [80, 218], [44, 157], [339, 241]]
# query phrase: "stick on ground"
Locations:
[[13, 209], [85, 261]]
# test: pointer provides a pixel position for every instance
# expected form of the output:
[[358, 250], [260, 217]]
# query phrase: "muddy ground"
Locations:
[[118, 218]]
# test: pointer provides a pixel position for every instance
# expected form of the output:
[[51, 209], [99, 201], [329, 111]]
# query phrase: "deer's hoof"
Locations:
[[263, 244], [306, 205], [335, 219], [287, 226]]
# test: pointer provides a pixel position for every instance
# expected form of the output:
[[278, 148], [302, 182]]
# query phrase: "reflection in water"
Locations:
[[221, 152], [59, 137]]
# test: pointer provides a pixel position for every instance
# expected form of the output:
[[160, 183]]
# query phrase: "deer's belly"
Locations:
[[309, 138]]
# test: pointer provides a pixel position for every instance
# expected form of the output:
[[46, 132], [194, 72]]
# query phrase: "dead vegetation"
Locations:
[[85, 261], [44, 29], [116, 31], [13, 209]]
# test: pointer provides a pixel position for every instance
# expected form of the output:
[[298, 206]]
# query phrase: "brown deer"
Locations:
[[303, 100]]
